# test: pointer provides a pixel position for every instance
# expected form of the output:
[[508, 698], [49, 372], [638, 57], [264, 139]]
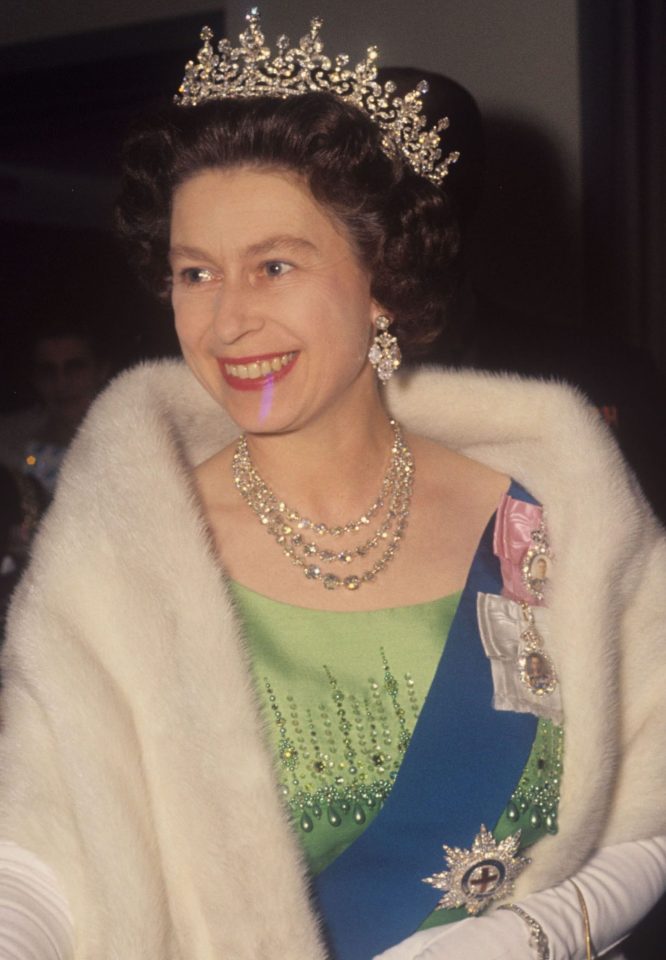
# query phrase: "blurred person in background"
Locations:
[[66, 373]]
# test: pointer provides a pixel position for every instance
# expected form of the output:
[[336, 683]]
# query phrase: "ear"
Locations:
[[381, 322], [376, 311], [380, 318]]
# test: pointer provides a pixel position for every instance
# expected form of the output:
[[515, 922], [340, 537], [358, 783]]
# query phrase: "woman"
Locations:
[[249, 667]]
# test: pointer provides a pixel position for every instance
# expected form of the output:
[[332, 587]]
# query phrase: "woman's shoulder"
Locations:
[[467, 407], [150, 413], [448, 474], [159, 388], [131, 462], [544, 434]]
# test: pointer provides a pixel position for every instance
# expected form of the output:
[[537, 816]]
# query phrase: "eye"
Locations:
[[277, 268], [193, 276]]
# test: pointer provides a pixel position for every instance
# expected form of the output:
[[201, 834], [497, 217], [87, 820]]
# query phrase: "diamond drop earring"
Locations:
[[384, 353]]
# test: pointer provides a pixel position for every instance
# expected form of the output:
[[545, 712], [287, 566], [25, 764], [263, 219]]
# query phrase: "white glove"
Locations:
[[620, 885], [35, 922], [501, 936]]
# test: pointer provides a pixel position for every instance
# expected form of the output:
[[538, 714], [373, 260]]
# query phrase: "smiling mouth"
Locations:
[[252, 373]]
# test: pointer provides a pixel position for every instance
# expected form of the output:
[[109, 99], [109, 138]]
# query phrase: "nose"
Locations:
[[237, 311]]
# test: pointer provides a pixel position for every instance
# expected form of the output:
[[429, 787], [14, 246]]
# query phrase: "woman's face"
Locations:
[[273, 309]]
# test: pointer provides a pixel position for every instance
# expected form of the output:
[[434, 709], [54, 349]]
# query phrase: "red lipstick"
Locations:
[[244, 373]]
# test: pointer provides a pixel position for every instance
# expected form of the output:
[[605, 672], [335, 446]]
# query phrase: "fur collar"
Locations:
[[148, 638]]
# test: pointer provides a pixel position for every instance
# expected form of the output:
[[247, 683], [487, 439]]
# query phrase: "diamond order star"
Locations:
[[474, 878]]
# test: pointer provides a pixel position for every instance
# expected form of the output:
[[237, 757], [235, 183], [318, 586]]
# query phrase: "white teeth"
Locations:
[[260, 368]]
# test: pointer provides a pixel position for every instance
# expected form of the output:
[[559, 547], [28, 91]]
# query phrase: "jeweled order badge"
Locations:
[[476, 877]]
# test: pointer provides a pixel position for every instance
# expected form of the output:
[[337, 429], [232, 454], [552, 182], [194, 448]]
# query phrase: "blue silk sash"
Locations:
[[459, 771]]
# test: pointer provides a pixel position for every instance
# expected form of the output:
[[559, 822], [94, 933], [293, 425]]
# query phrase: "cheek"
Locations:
[[360, 344], [180, 327], [349, 323], [346, 350], [178, 316], [360, 332], [190, 321]]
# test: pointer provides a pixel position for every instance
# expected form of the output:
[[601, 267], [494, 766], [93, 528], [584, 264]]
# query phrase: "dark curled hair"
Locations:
[[399, 223]]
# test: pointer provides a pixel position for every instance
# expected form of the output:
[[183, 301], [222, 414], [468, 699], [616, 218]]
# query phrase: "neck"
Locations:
[[330, 470]]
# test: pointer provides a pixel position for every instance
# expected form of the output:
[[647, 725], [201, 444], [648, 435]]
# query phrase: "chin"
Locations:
[[270, 410], [262, 425]]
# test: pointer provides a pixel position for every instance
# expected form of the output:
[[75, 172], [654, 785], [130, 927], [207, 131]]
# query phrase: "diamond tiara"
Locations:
[[248, 71]]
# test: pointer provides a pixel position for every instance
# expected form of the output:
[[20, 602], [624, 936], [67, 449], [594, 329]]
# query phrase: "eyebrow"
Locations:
[[282, 240], [181, 250]]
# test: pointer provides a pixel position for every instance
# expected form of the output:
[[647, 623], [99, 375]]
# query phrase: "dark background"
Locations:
[[68, 100]]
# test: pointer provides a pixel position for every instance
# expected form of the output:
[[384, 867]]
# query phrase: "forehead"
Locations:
[[243, 206]]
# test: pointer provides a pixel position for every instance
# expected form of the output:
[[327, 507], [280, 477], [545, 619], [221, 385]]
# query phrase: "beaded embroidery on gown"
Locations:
[[341, 732]]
